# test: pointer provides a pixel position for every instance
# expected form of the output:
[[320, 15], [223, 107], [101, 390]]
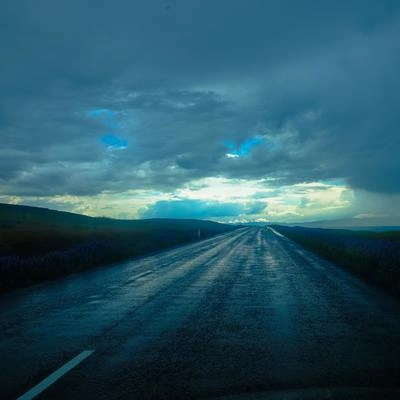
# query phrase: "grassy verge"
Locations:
[[375, 256], [38, 244]]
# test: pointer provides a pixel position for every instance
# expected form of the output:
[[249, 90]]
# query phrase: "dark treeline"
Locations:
[[39, 244], [375, 256]]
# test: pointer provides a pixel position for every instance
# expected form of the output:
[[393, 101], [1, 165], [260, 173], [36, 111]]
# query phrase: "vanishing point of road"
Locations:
[[244, 312]]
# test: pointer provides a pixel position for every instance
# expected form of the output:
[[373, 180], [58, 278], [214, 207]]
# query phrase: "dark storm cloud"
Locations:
[[200, 209], [316, 81]]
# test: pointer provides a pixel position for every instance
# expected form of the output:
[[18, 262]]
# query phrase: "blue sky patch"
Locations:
[[110, 140], [244, 149], [113, 142]]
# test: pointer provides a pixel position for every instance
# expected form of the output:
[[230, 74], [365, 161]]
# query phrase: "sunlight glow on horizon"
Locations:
[[214, 198]]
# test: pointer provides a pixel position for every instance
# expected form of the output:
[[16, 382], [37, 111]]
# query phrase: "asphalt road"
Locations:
[[243, 312]]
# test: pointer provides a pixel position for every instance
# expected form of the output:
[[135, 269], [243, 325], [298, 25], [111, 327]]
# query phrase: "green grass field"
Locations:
[[38, 244], [375, 256]]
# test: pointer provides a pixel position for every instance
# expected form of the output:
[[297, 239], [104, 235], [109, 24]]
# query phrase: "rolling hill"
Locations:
[[38, 244]]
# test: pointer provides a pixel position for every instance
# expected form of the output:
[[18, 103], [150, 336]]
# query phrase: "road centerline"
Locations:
[[55, 376]]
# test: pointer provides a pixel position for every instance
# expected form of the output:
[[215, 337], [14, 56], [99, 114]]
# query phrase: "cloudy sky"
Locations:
[[235, 110]]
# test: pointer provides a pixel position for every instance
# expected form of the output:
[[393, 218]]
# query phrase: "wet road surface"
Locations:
[[243, 312]]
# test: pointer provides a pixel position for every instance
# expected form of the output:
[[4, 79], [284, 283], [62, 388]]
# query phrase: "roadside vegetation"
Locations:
[[375, 256], [38, 244]]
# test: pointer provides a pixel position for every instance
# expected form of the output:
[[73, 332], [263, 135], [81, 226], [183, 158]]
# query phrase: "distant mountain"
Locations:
[[367, 223]]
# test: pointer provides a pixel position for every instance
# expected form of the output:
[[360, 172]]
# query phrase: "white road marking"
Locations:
[[276, 233], [45, 383]]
